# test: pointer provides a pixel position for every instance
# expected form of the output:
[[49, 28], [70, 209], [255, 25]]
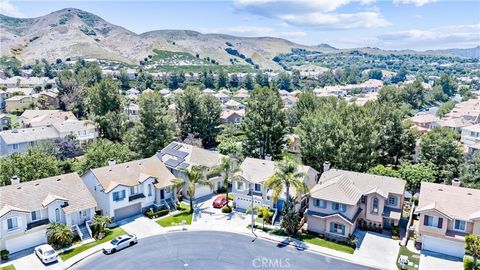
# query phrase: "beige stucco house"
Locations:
[[446, 215], [342, 200]]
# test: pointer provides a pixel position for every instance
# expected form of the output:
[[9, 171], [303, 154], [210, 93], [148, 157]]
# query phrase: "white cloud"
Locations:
[[255, 31], [314, 13], [417, 3], [443, 37], [7, 8]]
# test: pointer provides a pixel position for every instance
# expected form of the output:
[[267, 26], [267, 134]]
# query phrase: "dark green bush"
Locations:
[[4, 254], [226, 209]]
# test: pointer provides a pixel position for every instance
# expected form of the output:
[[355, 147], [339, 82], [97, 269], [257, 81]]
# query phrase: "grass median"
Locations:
[[177, 218], [113, 233]]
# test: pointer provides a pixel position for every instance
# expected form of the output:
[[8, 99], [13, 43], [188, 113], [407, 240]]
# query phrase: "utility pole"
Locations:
[[253, 218]]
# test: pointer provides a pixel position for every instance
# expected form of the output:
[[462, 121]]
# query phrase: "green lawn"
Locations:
[[315, 240], [111, 235], [177, 218], [8, 267], [413, 257]]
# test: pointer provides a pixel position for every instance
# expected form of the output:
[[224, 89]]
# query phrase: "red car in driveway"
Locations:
[[220, 201]]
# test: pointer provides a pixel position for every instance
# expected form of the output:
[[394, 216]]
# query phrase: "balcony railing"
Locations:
[[38, 223], [136, 197]]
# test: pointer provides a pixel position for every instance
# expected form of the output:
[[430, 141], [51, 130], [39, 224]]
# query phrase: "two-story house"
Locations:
[[446, 215], [471, 138], [5, 121], [27, 208], [232, 117], [19, 140], [179, 157], [18, 103], [254, 173], [342, 200], [128, 189]]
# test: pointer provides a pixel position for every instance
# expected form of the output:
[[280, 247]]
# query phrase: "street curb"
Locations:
[[82, 259]]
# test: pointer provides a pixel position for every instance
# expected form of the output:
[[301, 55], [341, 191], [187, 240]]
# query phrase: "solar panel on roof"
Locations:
[[175, 153], [184, 165], [173, 163]]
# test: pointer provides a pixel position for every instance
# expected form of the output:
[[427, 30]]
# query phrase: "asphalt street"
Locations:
[[211, 250]]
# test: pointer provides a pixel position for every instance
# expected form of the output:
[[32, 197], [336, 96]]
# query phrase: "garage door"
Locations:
[[128, 211], [443, 246], [26, 241], [201, 191]]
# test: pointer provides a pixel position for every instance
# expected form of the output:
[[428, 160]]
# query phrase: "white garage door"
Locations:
[[443, 246], [128, 211], [26, 241], [201, 191], [242, 203]]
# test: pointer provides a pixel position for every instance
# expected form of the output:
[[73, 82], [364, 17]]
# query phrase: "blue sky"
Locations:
[[396, 24]]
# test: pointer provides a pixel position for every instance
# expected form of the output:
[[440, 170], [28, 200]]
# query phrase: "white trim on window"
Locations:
[[462, 225]]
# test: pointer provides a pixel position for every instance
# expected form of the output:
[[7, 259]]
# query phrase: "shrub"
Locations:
[[99, 224], [226, 209], [59, 235], [468, 264], [154, 214], [4, 254], [395, 231], [221, 190]]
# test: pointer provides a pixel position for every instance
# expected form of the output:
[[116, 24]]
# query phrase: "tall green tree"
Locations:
[[264, 123], [208, 80], [287, 175], [123, 79], [284, 81], [222, 80], [196, 176], [173, 81], [228, 169], [154, 129], [37, 69], [440, 149], [248, 83], [210, 110], [144, 80], [234, 81], [30, 165], [448, 85], [470, 172], [105, 106], [262, 79], [415, 174], [100, 152], [189, 111]]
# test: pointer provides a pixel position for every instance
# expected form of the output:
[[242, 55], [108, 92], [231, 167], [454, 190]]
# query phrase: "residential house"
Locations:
[[446, 215], [471, 138], [27, 208], [16, 103], [5, 121], [254, 173], [38, 118], [84, 131], [33, 82], [9, 82], [131, 111], [179, 157], [343, 200], [208, 91], [241, 95], [47, 99], [234, 105], [289, 101], [19, 140], [165, 92], [424, 122], [456, 124], [468, 110], [128, 189], [132, 92], [3, 96], [232, 116], [222, 97]]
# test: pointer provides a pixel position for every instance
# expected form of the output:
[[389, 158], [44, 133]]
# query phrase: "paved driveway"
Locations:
[[375, 248], [26, 259], [207, 217], [141, 226], [435, 261]]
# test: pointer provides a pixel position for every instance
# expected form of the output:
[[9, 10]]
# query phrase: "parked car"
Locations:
[[120, 242], [46, 253], [220, 201]]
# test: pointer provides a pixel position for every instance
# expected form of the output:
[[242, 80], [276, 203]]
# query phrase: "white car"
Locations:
[[46, 253], [120, 242]]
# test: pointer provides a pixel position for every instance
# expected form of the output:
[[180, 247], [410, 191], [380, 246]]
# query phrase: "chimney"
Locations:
[[455, 182], [268, 157], [112, 162], [15, 180], [326, 166]]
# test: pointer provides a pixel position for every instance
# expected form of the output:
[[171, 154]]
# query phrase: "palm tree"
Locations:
[[178, 184], [59, 235], [99, 223], [287, 175], [228, 169], [196, 176]]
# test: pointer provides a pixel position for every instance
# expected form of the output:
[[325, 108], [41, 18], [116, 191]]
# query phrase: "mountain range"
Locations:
[[73, 33]]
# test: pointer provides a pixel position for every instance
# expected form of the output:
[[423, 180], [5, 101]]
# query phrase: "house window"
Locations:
[[12, 224], [35, 215], [392, 200], [258, 187], [339, 207], [167, 190], [375, 206], [133, 190], [434, 222], [460, 225], [119, 196], [57, 215], [149, 190], [239, 185], [15, 146], [363, 199], [337, 228], [320, 203]]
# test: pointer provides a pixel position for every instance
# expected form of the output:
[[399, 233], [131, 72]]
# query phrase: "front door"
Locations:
[[162, 194], [82, 216]]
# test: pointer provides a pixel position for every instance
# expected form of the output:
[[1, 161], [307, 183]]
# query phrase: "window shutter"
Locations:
[[425, 220], [440, 221], [343, 229], [19, 222], [331, 227]]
